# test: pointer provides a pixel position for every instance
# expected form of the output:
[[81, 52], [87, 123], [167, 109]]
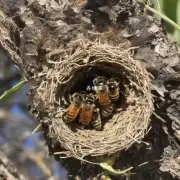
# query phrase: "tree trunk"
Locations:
[[42, 27]]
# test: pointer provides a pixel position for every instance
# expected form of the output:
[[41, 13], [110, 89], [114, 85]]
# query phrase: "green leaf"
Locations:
[[108, 159], [170, 8], [158, 4], [177, 33], [164, 17], [178, 12], [114, 172], [12, 91]]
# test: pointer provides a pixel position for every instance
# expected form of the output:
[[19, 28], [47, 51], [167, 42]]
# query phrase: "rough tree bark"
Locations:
[[41, 26]]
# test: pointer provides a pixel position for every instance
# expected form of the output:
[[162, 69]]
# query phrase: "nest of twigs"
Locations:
[[71, 70]]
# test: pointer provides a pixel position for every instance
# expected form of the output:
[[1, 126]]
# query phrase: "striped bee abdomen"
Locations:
[[107, 111], [113, 87], [86, 113], [114, 97], [96, 121], [71, 113], [104, 100]]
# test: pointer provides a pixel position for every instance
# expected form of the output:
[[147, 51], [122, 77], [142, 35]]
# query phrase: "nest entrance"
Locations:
[[83, 78], [82, 82], [73, 72]]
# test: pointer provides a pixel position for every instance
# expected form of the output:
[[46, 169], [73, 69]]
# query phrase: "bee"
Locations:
[[113, 87], [102, 92], [96, 120], [87, 109], [74, 108]]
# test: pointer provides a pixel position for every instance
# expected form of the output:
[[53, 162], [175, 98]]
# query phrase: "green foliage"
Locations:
[[115, 172], [108, 161], [169, 11], [12, 91], [170, 8]]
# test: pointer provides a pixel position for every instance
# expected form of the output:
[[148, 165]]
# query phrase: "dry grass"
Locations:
[[72, 65]]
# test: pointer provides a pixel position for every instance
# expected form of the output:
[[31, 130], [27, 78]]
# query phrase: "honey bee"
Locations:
[[102, 94], [74, 108], [96, 120], [113, 87], [87, 109]]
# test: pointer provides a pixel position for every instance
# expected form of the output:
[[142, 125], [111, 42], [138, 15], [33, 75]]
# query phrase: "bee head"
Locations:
[[99, 81], [90, 99], [112, 86], [77, 98], [113, 83]]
